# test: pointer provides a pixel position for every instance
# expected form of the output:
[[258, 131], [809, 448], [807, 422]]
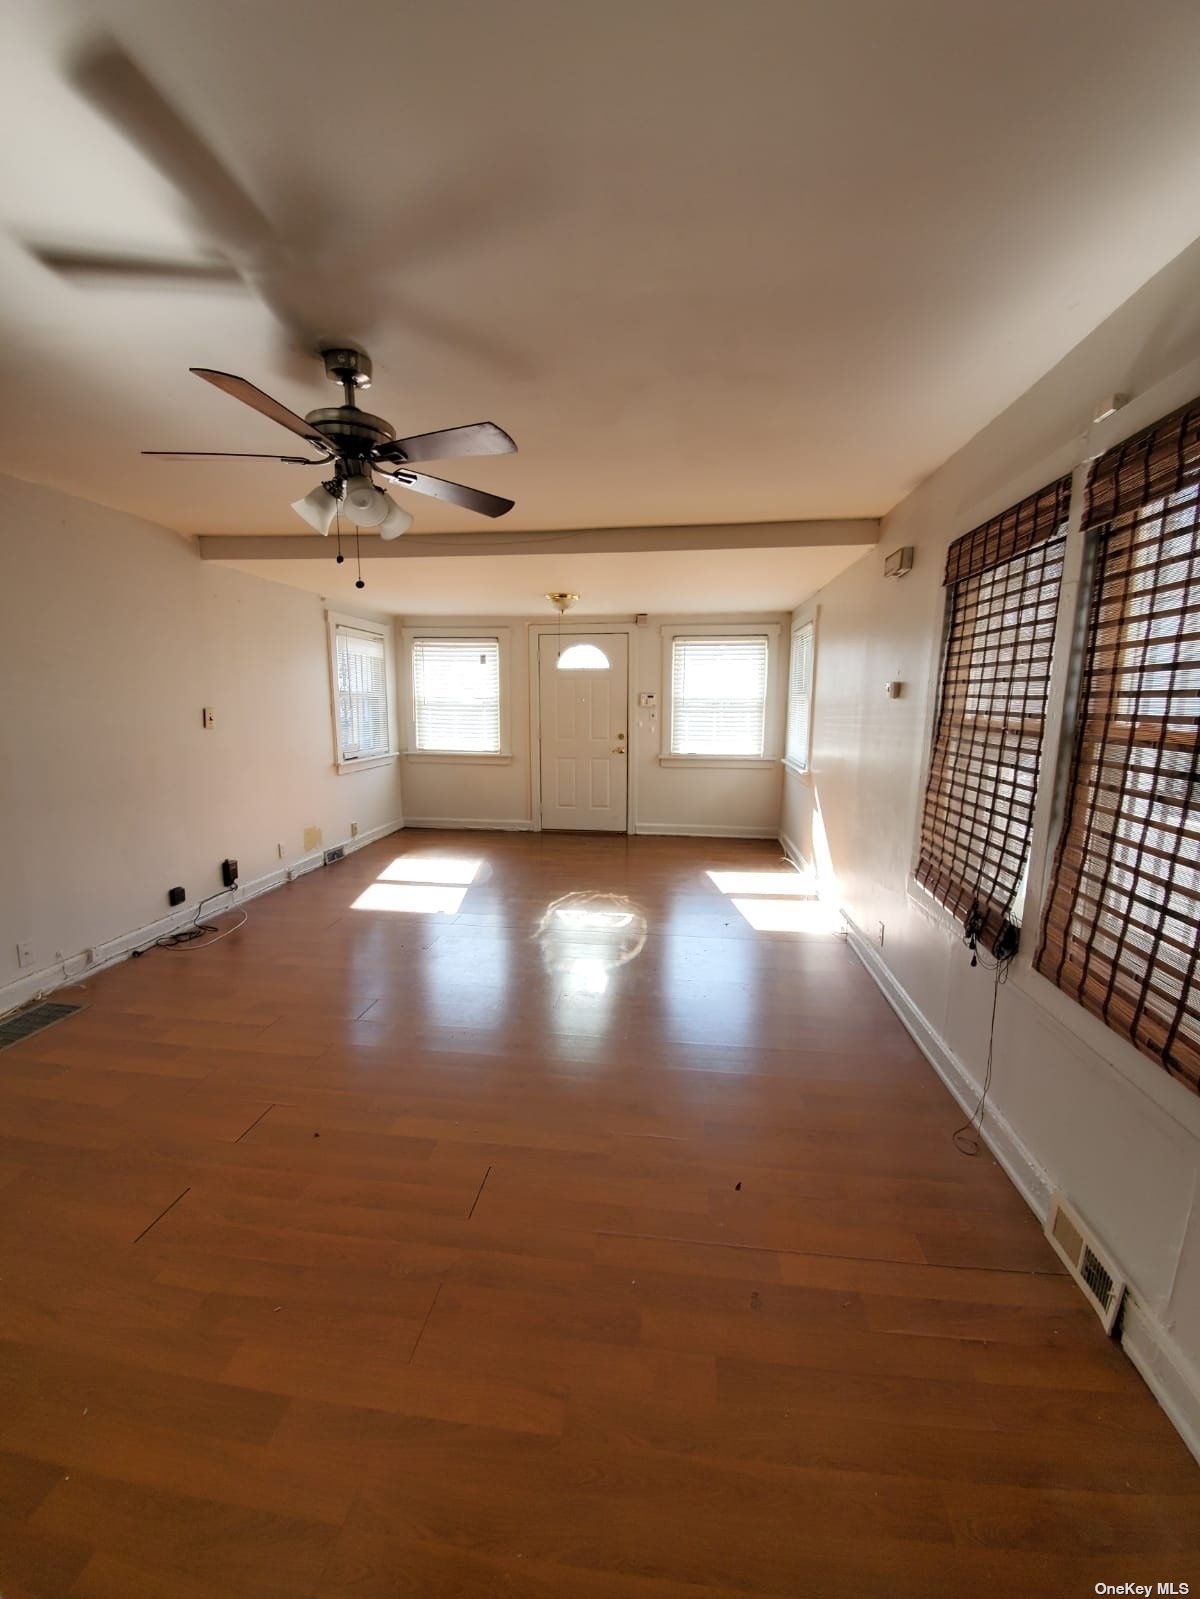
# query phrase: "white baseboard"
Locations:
[[794, 853], [1172, 1379], [1030, 1178], [1166, 1371], [470, 824], [35, 985], [700, 830]]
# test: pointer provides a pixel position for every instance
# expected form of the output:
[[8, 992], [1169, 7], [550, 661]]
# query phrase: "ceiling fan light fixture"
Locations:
[[396, 521], [317, 508], [364, 504]]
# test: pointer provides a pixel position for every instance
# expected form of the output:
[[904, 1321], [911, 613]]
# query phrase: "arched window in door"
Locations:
[[583, 658]]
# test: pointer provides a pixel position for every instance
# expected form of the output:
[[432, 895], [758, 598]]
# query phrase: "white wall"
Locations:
[[1071, 1104], [113, 636], [726, 801]]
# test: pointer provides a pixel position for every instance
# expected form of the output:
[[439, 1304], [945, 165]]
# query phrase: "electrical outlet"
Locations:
[[25, 953], [353, 829], [280, 851], [208, 716], [881, 935]]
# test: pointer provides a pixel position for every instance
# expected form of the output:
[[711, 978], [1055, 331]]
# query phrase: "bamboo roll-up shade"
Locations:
[[1004, 582], [1121, 932], [1154, 463], [1031, 521]]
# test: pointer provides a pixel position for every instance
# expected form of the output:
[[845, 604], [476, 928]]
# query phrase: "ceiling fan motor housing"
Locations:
[[351, 431]]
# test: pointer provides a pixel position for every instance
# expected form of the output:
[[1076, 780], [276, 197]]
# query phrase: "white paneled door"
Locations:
[[584, 702]]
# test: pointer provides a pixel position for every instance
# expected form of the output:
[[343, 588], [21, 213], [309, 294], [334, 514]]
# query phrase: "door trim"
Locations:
[[580, 629]]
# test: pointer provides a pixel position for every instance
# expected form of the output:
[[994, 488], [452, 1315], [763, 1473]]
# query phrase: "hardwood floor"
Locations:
[[473, 1242]]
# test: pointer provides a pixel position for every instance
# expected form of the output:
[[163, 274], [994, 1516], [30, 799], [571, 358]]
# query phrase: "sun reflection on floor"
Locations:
[[586, 936]]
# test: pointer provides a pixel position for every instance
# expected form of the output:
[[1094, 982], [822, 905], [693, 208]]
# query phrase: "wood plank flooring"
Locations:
[[554, 1234]]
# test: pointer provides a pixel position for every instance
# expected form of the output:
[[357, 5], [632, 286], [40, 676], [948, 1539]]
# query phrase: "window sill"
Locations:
[[364, 763], [804, 772], [458, 757], [719, 760]]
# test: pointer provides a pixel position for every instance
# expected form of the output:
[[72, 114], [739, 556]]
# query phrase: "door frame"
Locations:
[[540, 630]]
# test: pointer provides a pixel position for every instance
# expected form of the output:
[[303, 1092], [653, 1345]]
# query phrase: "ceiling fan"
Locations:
[[356, 446]]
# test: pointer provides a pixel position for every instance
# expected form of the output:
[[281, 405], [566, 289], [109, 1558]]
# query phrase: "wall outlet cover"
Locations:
[[25, 953]]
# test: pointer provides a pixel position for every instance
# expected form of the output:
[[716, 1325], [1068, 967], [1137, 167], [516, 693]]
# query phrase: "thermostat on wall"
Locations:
[[898, 562]]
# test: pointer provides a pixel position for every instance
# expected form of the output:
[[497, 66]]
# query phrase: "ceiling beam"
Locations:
[[582, 541]]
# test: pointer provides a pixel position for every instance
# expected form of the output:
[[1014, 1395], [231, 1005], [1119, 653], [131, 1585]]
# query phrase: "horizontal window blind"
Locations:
[[456, 695], [1004, 579], [1121, 930], [718, 696], [800, 695], [362, 706]]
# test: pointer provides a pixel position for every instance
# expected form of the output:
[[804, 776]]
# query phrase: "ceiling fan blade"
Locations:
[[116, 85], [246, 392], [455, 493], [231, 455], [99, 265], [479, 438]]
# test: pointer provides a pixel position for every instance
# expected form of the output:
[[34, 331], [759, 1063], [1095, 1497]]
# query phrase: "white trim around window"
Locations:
[[496, 643], [774, 699], [797, 753], [364, 637]]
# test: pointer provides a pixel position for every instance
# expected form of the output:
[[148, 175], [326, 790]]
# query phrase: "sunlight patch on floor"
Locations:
[[414, 898], [802, 885], [788, 915], [431, 869]]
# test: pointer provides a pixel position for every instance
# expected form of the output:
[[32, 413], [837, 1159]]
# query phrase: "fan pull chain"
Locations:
[[358, 582], [337, 519]]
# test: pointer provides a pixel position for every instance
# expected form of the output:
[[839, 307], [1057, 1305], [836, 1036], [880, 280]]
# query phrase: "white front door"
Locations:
[[584, 701]]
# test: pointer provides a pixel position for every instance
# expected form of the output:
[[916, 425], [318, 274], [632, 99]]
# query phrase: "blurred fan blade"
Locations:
[[136, 269], [455, 493], [246, 392], [118, 88], [478, 438], [232, 455]]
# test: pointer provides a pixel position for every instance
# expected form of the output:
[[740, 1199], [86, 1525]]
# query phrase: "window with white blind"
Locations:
[[718, 696], [361, 693], [799, 707], [456, 696]]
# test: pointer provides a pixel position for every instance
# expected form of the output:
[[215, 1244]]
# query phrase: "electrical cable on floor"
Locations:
[[190, 937], [968, 1139]]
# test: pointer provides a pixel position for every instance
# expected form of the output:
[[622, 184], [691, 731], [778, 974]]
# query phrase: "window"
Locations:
[[799, 709], [718, 696], [456, 695], [583, 658], [1121, 932], [1003, 580], [361, 693]]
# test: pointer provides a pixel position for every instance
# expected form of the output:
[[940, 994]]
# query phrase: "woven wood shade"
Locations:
[[1159, 461], [1004, 582], [1030, 522], [1121, 933]]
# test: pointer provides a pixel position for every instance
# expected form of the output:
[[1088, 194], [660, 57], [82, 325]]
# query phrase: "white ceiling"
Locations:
[[708, 262], [661, 582]]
